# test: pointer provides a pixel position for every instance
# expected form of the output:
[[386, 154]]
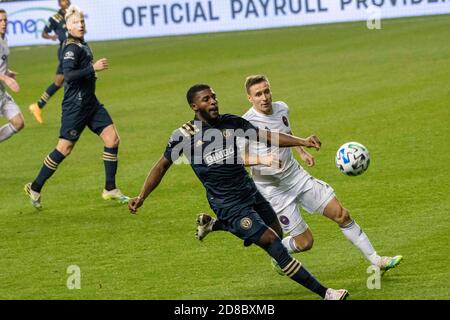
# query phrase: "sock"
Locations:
[[7, 131], [354, 233], [49, 167], [218, 226], [51, 90], [110, 161], [289, 244], [294, 269]]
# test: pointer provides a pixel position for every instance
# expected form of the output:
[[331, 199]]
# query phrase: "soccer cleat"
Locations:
[[35, 197], [204, 225], [388, 263], [332, 294], [116, 195], [36, 112], [276, 267]]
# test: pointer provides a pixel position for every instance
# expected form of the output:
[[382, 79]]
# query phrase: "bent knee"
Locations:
[[304, 244], [343, 217], [116, 141], [18, 123]]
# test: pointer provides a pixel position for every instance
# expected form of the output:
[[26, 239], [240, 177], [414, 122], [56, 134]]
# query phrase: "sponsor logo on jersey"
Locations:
[[285, 121], [218, 156], [284, 220], [69, 55]]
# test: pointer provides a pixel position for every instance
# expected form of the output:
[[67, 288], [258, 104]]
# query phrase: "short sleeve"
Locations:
[[50, 26], [174, 147]]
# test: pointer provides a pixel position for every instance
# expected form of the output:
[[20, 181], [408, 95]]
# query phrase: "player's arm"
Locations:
[[151, 182], [287, 140], [276, 138], [305, 155], [48, 36], [71, 71], [10, 82], [269, 160], [47, 30]]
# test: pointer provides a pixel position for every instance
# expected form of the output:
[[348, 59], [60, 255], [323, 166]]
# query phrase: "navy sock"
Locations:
[[294, 269], [110, 161], [47, 95], [49, 167]]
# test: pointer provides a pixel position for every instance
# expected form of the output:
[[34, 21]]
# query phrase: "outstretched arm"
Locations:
[[287, 140], [305, 155], [151, 182]]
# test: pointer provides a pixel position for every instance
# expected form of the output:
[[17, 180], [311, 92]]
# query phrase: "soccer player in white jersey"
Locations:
[[8, 108], [289, 187]]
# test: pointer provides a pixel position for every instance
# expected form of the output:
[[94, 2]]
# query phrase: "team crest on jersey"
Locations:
[[285, 121], [73, 133], [246, 223], [284, 220]]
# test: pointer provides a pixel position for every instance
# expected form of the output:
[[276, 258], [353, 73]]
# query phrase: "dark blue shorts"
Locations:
[[75, 118], [248, 220]]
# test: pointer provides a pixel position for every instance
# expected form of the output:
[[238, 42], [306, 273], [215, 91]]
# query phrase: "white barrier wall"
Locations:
[[117, 19]]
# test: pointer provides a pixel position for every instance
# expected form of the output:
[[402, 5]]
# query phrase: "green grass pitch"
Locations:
[[387, 89]]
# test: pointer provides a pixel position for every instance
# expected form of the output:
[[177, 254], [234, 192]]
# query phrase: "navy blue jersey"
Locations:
[[79, 74], [213, 154], [57, 24]]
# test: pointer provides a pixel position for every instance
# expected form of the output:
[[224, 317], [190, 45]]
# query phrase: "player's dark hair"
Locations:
[[3, 11], [252, 80], [193, 91]]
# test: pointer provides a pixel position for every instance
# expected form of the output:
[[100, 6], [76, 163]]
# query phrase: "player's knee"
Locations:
[[18, 123], [267, 238], [65, 149], [342, 217], [116, 141], [113, 141], [304, 244]]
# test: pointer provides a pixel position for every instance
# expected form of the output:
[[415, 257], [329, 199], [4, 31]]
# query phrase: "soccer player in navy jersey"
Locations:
[[209, 143], [57, 25], [80, 109]]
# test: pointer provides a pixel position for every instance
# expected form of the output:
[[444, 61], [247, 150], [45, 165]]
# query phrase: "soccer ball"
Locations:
[[352, 158]]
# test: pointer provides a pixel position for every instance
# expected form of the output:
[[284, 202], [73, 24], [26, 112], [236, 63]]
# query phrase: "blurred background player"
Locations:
[[57, 25], [230, 191], [80, 108], [8, 108], [290, 187]]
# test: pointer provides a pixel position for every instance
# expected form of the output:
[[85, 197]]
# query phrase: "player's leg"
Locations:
[[11, 112], [291, 267], [353, 232], [73, 122], [51, 163], [102, 124], [36, 108], [299, 237]]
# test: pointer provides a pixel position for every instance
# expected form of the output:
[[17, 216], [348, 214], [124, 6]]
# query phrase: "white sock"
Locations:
[[354, 233], [7, 131], [289, 244]]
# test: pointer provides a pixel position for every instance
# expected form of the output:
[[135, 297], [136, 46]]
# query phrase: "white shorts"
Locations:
[[8, 108], [305, 192]]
